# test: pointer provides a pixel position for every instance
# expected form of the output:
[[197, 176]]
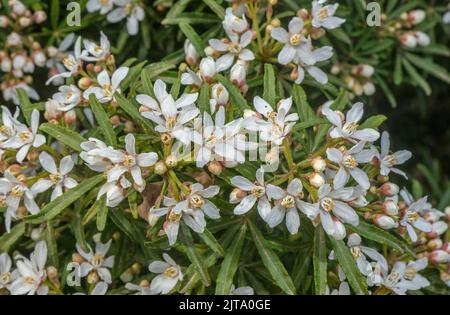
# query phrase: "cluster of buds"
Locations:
[[403, 29], [20, 54], [357, 77]]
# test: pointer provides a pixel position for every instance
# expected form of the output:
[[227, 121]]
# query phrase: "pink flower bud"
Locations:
[[384, 222], [18, 8], [389, 207], [439, 227], [238, 74], [434, 244], [416, 16], [340, 232], [40, 17], [389, 189], [39, 58], [4, 21], [408, 40], [220, 94], [208, 69], [70, 117], [6, 64], [422, 38], [192, 56], [439, 257]]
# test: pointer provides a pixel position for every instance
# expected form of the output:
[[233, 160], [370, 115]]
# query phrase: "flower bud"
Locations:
[[208, 69], [24, 21], [237, 195], [316, 180], [93, 277], [439, 257], [52, 51], [416, 16], [369, 88], [408, 40], [389, 207], [220, 94], [439, 227], [136, 268], [209, 51], [39, 58], [40, 17], [19, 61], [192, 56], [384, 222], [4, 21], [171, 161], [335, 69], [29, 67], [434, 244], [275, 23], [389, 189], [13, 39], [70, 117], [215, 167], [160, 168], [115, 120], [52, 111], [129, 126], [18, 8], [35, 234], [238, 74], [364, 70], [126, 276], [6, 64], [303, 14], [77, 258], [318, 164], [52, 272], [422, 39], [340, 232]]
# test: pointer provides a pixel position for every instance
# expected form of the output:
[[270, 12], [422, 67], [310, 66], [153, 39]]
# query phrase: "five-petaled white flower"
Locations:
[[169, 273], [256, 192], [348, 129], [295, 43], [96, 52], [108, 86], [96, 261], [59, 179], [68, 97], [103, 6], [7, 276], [32, 273], [25, 137], [72, 63], [323, 16], [130, 10], [404, 277], [411, 219], [388, 161]]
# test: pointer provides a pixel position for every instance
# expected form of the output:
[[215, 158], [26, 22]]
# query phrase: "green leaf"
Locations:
[[212, 242], [118, 217], [269, 94], [193, 37], [373, 122], [56, 206], [26, 106], [194, 256], [54, 13], [192, 18], [320, 262], [102, 214], [216, 8], [50, 239], [348, 264], [230, 263], [341, 100], [386, 90], [9, 239], [78, 230], [131, 110], [92, 212], [301, 267], [63, 135], [236, 96], [175, 90], [429, 67], [342, 36], [133, 74], [416, 77], [203, 99], [398, 74], [155, 69], [103, 121], [272, 262], [304, 110], [371, 232]]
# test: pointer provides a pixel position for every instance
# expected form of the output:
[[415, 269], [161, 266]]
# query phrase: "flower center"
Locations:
[[197, 201], [258, 191], [390, 160], [170, 272], [295, 40], [69, 63], [327, 204], [211, 141], [174, 217], [412, 216], [5, 278], [97, 260], [104, 2], [356, 252], [393, 279], [288, 202], [272, 115], [25, 136], [129, 160], [17, 191], [2, 201], [55, 178], [277, 130], [7, 131], [30, 280], [349, 128], [323, 13], [350, 162], [128, 8], [107, 89], [234, 48], [171, 122], [410, 273]]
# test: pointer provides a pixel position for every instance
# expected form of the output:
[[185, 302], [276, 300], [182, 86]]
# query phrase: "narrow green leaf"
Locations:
[[386, 90], [175, 90], [203, 99], [56, 206], [398, 73], [50, 239], [230, 263], [192, 18], [102, 214], [304, 110], [78, 230], [155, 69], [132, 110], [64, 135], [301, 267], [118, 217], [348, 264], [193, 37], [320, 262], [103, 121], [416, 77], [133, 74], [194, 256], [9, 239], [272, 262], [269, 94], [341, 100], [54, 13], [216, 8], [212, 242], [429, 67], [26, 106], [373, 122]]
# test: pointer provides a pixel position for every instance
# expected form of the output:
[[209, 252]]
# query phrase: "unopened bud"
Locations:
[[171, 161], [422, 39], [84, 83], [384, 222], [220, 94], [127, 275], [237, 195], [434, 244], [40, 16], [115, 120], [389, 189], [160, 168], [215, 167], [52, 272], [93, 277], [439, 227], [15, 169], [408, 40], [136, 268], [416, 16], [316, 180], [389, 207], [318, 164], [439, 257], [275, 23], [129, 126], [340, 232]]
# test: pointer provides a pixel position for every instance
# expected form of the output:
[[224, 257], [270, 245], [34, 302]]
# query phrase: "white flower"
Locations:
[[191, 54], [169, 115], [348, 129], [411, 219], [96, 261], [10, 93], [388, 161], [130, 10], [360, 252], [25, 138], [404, 277], [320, 54], [323, 16], [287, 203], [348, 162], [72, 63], [10, 122], [69, 96], [97, 52], [295, 44], [130, 161], [7, 276], [241, 290], [257, 192], [332, 201], [14, 191], [169, 273], [32, 273], [115, 191], [95, 154], [108, 86], [57, 178], [103, 6], [205, 74], [279, 124], [234, 24], [233, 48]]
